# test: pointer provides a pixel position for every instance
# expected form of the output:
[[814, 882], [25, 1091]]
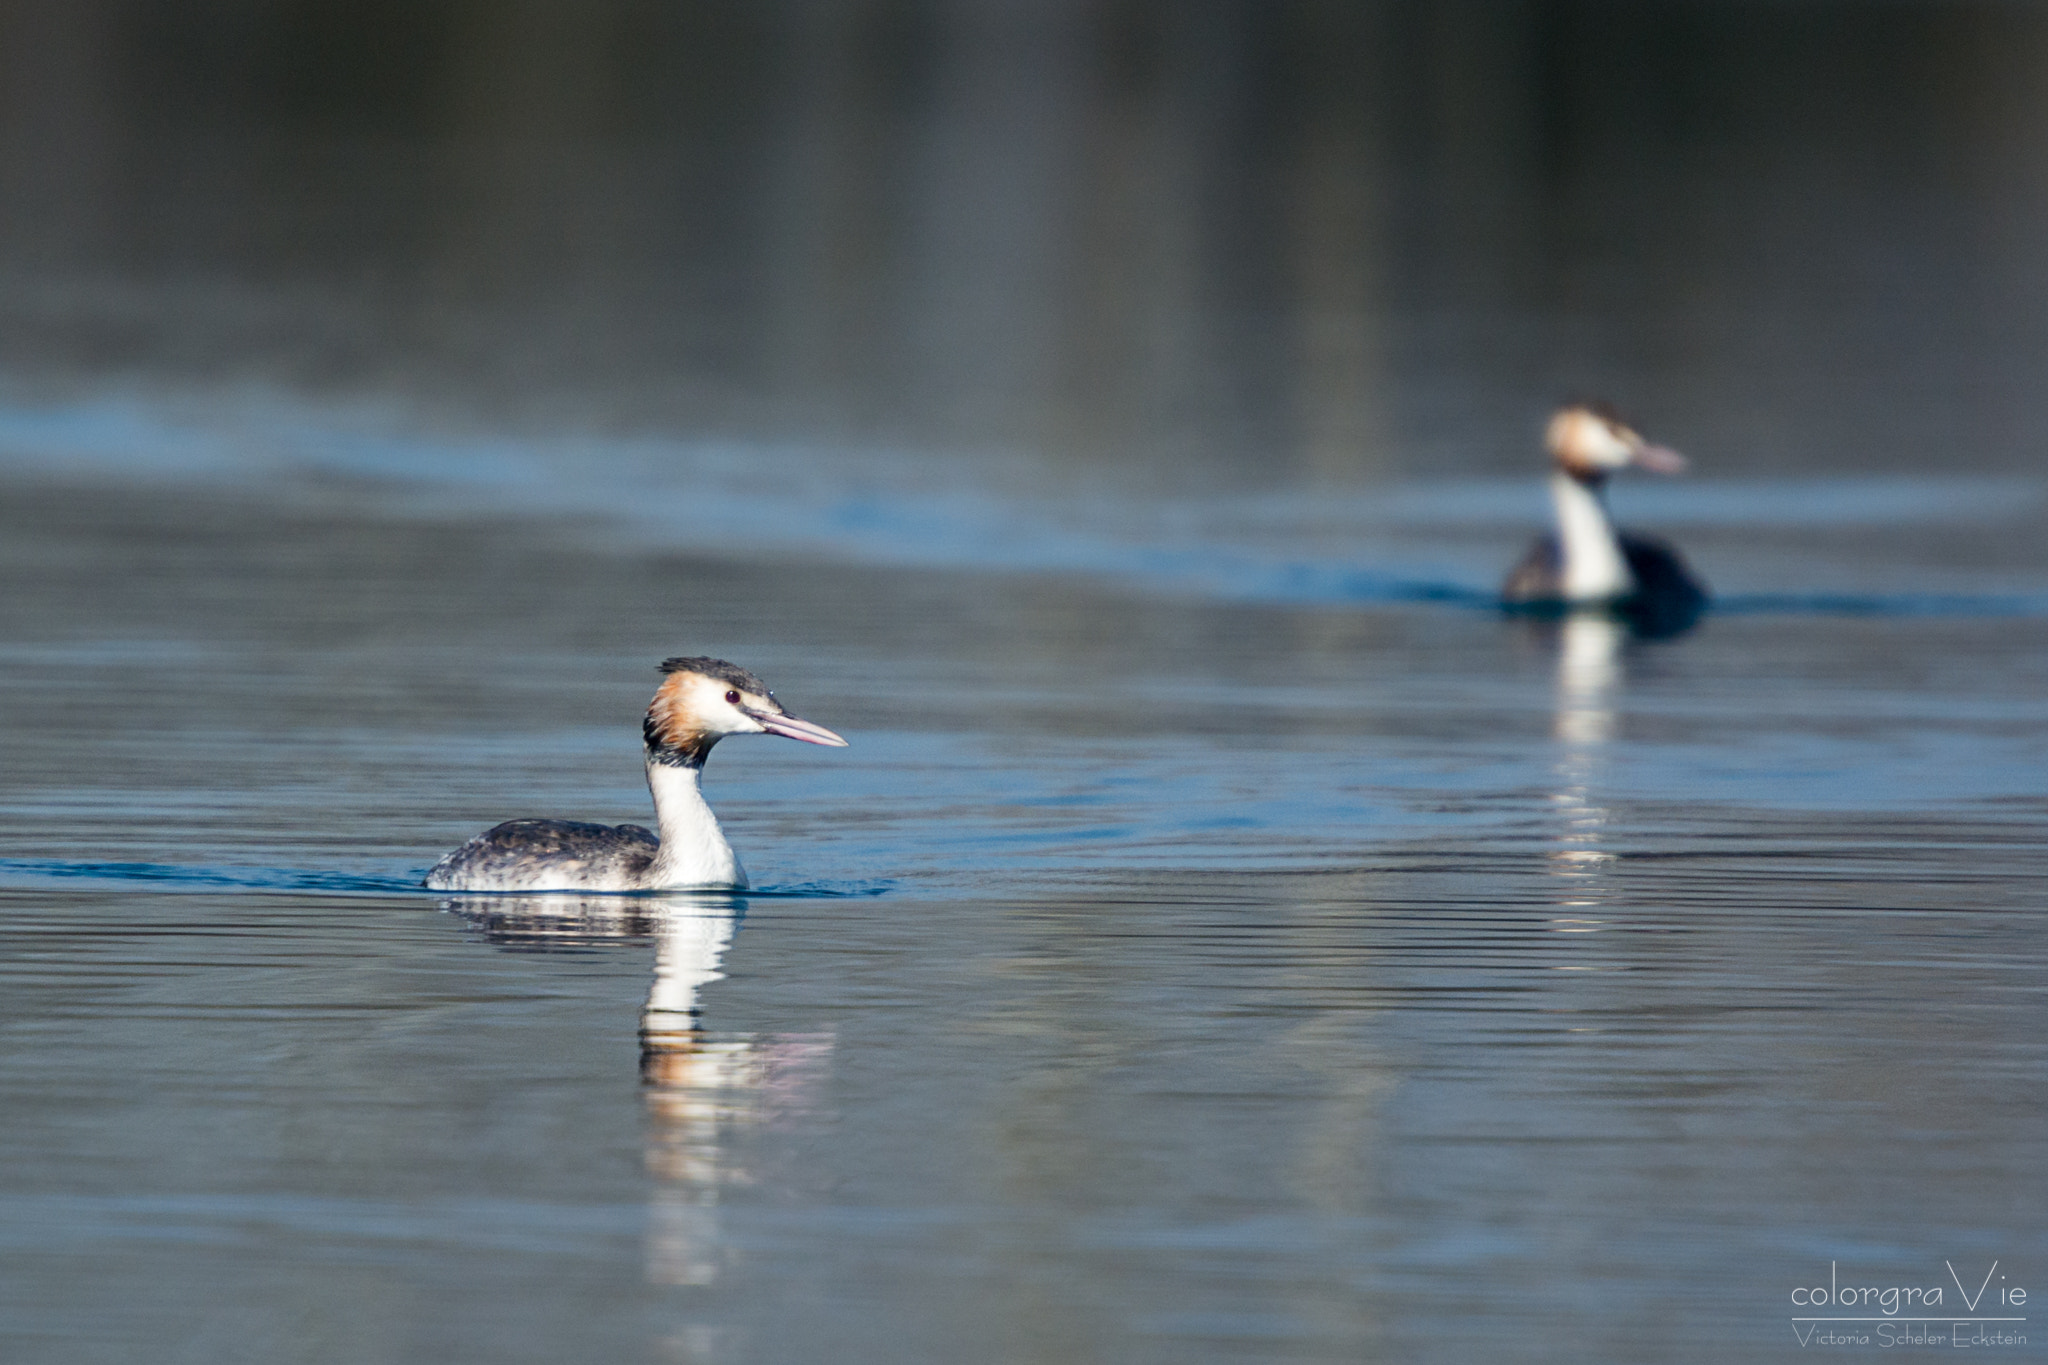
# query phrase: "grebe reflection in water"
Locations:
[[702, 1089], [1589, 680]]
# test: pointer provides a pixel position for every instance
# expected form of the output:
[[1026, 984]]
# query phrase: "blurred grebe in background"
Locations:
[[1586, 563], [699, 703]]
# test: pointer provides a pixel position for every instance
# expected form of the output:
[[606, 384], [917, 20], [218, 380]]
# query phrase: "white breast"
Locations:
[[1594, 570]]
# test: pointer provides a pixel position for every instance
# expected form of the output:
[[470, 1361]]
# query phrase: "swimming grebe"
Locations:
[[1586, 563], [699, 703]]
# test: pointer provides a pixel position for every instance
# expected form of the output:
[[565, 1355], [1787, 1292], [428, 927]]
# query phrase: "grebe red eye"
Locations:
[[732, 698]]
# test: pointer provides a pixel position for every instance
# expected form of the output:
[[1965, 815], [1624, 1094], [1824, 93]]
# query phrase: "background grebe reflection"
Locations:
[[1589, 679]]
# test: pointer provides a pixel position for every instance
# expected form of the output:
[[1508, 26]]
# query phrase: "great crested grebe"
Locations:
[[1586, 562], [700, 702]]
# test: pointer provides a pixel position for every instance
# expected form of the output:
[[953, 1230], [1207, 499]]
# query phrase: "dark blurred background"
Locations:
[[1235, 240]]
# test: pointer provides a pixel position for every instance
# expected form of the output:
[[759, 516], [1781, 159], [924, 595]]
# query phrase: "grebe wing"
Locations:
[[1659, 570], [1668, 598], [1659, 567], [1539, 577], [546, 854]]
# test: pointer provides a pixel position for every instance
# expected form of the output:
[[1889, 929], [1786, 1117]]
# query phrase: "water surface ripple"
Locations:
[[1160, 976]]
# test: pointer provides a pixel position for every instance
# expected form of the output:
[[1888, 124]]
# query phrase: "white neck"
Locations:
[[1594, 570], [693, 849]]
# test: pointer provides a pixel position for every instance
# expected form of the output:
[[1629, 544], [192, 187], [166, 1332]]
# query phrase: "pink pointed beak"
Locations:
[[789, 727], [1658, 459]]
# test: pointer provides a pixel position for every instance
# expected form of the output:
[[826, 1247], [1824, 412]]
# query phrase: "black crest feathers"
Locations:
[[730, 674]]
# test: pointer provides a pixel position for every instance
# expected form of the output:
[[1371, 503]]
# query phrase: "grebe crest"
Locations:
[[700, 701]]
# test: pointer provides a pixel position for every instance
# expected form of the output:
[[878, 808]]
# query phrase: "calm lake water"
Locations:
[[1227, 939]]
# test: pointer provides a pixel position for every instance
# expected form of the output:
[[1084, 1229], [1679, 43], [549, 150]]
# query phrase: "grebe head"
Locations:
[[701, 701], [1589, 441]]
